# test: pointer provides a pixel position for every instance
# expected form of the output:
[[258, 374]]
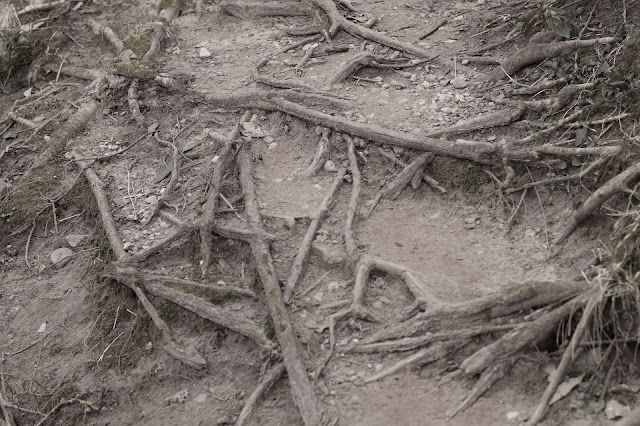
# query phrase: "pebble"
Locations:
[[330, 166], [204, 52], [377, 304], [491, 138], [267, 139], [75, 240], [61, 257], [319, 296], [151, 199], [128, 245], [459, 82]]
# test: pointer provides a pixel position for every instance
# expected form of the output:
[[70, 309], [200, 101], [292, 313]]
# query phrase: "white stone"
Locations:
[[203, 52], [61, 257]]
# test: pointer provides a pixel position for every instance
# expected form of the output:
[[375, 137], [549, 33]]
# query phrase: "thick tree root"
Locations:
[[494, 305], [226, 318], [486, 121], [425, 177], [535, 52], [618, 183], [368, 59], [321, 154], [106, 32], [480, 152], [310, 235], [567, 359], [248, 10], [488, 377], [267, 382], [132, 99], [301, 389], [544, 85], [339, 22], [211, 205], [393, 189], [422, 357]]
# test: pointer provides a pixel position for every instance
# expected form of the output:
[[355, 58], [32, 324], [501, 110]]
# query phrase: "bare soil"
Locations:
[[68, 332]]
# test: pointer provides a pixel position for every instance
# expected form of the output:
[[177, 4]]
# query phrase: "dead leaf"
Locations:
[[251, 129], [162, 175], [565, 388], [622, 388], [224, 267], [614, 409]]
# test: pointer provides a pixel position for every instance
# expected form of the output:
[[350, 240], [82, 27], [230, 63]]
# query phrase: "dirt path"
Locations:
[[69, 332]]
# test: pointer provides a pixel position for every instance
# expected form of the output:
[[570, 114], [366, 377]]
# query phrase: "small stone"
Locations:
[[149, 346], [492, 138], [471, 219], [75, 240], [131, 217], [318, 130], [204, 52], [151, 199], [163, 224], [128, 245], [464, 62], [614, 409], [42, 327], [319, 296], [459, 82], [267, 139], [201, 398], [378, 367], [61, 257], [330, 166], [273, 145], [470, 225], [348, 178], [377, 304]]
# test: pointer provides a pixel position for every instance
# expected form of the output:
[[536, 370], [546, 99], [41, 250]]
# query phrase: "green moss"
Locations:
[[28, 199], [269, 328], [464, 174], [63, 393], [139, 44], [130, 70]]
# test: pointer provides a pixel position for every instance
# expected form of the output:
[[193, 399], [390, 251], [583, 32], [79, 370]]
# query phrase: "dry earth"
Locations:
[[67, 332]]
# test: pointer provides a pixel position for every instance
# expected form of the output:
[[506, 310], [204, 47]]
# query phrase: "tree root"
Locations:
[[544, 85], [432, 29], [422, 357], [73, 71], [211, 205], [577, 176], [368, 59], [309, 236], [301, 389], [321, 153], [485, 121], [132, 99], [488, 377], [352, 210], [493, 305], [393, 189], [155, 45], [535, 52], [428, 179], [248, 10], [106, 32], [267, 382], [225, 318], [618, 183], [339, 22], [567, 359]]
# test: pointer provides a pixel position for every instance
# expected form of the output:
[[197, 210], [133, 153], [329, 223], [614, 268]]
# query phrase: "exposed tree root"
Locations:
[[432, 29], [301, 389], [73, 71], [488, 377], [310, 235], [485, 121], [267, 382], [226, 318], [428, 179], [352, 210], [567, 359], [106, 32], [134, 108], [211, 205], [577, 176], [494, 305], [368, 59], [543, 85], [248, 10], [339, 22], [618, 183], [535, 52], [321, 154], [155, 45], [393, 189], [422, 357]]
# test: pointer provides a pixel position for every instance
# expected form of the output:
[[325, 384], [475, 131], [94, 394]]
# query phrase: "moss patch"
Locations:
[[451, 171], [139, 44], [63, 393]]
